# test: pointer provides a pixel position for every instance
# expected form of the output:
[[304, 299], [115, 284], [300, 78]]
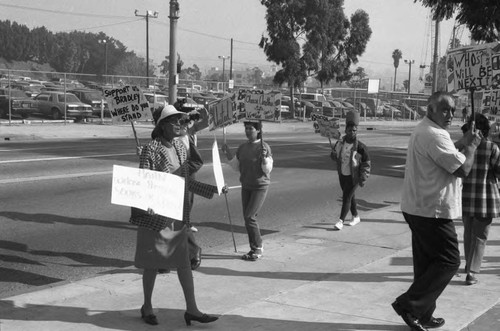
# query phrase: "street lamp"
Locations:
[[409, 62], [153, 14], [105, 42], [224, 58]]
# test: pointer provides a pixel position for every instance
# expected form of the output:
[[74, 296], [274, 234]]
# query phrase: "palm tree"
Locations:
[[396, 56]]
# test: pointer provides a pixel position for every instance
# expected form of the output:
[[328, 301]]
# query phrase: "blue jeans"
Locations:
[[252, 200], [436, 259]]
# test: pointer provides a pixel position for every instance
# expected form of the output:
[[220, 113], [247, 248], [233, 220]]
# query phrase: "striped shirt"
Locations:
[[480, 195]]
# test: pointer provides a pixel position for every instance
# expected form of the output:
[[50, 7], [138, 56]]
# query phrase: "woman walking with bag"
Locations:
[[162, 242]]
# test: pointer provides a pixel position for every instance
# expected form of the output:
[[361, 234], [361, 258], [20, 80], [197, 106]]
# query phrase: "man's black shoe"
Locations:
[[409, 319], [434, 323]]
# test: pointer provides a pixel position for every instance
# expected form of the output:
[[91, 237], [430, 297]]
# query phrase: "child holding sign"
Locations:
[[353, 166]]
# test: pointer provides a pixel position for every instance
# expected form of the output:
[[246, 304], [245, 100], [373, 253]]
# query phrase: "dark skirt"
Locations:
[[163, 249]]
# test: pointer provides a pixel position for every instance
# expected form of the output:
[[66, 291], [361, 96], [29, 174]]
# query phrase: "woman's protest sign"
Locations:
[[220, 113], [127, 104], [143, 189]]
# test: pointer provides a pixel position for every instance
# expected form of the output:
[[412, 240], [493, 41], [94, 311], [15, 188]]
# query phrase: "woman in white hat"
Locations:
[[162, 241]]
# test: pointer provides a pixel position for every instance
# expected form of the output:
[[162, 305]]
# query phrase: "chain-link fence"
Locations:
[[384, 105]]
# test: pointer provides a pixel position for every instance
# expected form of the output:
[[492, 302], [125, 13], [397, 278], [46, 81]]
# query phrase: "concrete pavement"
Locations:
[[311, 278]]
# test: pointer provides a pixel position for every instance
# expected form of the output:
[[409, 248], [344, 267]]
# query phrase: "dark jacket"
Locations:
[[359, 160]]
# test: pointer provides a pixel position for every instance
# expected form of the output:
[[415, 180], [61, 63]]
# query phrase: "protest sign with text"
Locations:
[[143, 189], [328, 126], [127, 104], [263, 106], [220, 113]]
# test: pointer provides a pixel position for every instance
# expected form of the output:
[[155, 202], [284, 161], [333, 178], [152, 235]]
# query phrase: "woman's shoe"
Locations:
[[149, 319], [196, 260], [202, 319], [470, 279]]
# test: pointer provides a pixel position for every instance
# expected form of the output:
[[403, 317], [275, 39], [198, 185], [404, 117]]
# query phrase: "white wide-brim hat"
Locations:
[[168, 111]]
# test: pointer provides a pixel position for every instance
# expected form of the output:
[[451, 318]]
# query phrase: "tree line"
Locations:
[[78, 52]]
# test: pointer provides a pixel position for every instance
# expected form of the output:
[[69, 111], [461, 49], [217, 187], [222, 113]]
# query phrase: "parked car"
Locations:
[[156, 100], [58, 104], [30, 89], [374, 106], [204, 98], [337, 109], [94, 98], [348, 106], [285, 102], [309, 109], [20, 103]]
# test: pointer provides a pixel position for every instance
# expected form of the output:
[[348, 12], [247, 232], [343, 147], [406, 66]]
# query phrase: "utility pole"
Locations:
[[231, 61], [409, 62], [436, 58], [152, 14], [172, 70]]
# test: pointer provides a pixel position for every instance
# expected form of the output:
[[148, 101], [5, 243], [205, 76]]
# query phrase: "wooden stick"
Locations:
[[135, 134], [230, 223]]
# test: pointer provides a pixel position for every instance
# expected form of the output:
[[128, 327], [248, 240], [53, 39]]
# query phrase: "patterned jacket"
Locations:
[[480, 195], [154, 156], [359, 161]]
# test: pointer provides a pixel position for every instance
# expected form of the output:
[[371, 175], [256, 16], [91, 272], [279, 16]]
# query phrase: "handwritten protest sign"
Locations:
[[471, 67], [127, 104], [219, 176], [143, 189], [328, 126], [263, 106], [477, 67], [220, 113]]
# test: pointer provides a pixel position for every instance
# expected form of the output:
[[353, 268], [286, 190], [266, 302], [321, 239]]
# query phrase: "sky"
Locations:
[[205, 28]]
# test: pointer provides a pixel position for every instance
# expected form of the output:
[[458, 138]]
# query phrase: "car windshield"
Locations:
[[307, 96], [69, 98]]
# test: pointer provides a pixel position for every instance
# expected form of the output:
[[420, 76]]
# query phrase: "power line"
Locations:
[[61, 12], [103, 26]]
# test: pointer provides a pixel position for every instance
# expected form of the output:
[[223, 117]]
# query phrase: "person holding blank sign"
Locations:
[[162, 242]]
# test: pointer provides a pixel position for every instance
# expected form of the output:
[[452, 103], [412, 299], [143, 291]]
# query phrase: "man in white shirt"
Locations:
[[430, 201]]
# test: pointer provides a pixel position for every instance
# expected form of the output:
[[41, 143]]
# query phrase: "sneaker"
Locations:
[[339, 225], [253, 255], [193, 229], [354, 221]]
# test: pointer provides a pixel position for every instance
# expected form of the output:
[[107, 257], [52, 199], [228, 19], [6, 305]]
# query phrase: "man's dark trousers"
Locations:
[[436, 259]]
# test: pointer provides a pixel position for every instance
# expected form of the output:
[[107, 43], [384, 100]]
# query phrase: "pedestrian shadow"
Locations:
[[53, 219], [227, 228], [129, 320], [362, 277], [19, 276]]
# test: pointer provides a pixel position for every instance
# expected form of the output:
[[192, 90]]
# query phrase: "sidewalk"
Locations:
[[311, 278]]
